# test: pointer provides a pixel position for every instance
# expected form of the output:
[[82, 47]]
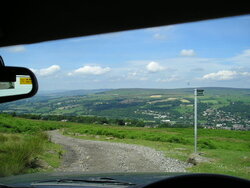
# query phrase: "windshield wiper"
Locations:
[[104, 180], [7, 186], [4, 186]]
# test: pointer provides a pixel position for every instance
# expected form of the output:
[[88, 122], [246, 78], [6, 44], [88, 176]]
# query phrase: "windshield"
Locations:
[[164, 99]]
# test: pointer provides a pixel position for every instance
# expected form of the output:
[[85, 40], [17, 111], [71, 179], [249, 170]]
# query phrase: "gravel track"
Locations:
[[101, 156]]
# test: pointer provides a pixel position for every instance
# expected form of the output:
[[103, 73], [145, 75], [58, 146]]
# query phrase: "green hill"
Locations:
[[228, 107]]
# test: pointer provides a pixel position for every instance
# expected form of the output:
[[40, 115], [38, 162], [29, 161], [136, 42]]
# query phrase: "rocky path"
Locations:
[[100, 156]]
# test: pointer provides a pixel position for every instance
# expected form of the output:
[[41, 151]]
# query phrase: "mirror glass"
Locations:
[[22, 85]]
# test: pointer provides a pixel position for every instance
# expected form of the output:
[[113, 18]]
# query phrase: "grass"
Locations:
[[9, 124], [17, 152], [208, 139], [25, 147], [22, 153], [52, 156], [131, 133], [235, 163]]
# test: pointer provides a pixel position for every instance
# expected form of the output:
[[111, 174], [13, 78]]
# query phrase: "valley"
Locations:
[[223, 108]]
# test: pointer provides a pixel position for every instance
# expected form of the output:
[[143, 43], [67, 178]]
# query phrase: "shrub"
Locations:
[[3, 138], [179, 140], [207, 144]]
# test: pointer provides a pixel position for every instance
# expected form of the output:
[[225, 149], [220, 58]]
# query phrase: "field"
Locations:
[[226, 151]]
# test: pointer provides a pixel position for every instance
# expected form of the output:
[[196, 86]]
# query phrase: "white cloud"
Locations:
[[90, 70], [139, 75], [132, 75], [154, 67], [47, 71], [161, 33], [245, 53], [225, 75], [169, 79], [161, 28], [241, 59], [187, 53], [16, 49], [198, 69], [159, 36]]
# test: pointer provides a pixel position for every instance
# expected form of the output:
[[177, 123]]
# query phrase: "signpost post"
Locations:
[[197, 92]]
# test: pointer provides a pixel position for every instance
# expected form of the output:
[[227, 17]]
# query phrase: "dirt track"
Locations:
[[100, 156]]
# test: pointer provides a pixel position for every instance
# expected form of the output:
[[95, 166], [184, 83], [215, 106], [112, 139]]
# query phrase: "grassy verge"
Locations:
[[25, 147], [22, 153]]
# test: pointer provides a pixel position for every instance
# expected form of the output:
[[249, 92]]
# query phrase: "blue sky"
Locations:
[[199, 54]]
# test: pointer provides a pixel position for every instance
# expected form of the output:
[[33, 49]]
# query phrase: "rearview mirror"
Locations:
[[16, 83]]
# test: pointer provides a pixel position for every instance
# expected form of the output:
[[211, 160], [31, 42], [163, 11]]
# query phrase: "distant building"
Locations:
[[219, 125], [238, 127], [166, 121]]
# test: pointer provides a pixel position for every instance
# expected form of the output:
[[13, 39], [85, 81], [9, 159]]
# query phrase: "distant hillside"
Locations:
[[180, 91], [71, 92], [224, 107], [139, 91]]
